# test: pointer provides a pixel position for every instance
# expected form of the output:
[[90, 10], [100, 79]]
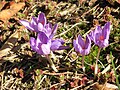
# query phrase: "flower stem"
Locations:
[[51, 63], [96, 65], [83, 67]]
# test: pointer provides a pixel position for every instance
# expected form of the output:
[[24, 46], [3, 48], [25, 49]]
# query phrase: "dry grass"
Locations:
[[23, 69]]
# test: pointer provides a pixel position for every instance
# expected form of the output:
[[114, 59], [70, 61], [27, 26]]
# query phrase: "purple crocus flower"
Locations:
[[36, 24], [81, 46], [43, 44], [40, 24], [101, 36]]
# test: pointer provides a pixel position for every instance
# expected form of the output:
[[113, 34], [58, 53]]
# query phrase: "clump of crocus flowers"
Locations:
[[44, 44], [100, 36]]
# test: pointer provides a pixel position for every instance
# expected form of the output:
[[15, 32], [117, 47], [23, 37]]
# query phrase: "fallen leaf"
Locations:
[[5, 49], [8, 13], [118, 1], [92, 2], [106, 86], [112, 2], [81, 1], [2, 4]]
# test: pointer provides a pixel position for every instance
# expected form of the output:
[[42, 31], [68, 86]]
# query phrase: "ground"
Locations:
[[22, 68]]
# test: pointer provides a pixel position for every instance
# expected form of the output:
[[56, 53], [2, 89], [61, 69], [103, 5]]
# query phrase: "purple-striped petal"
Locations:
[[87, 45], [81, 41], [63, 47], [26, 24], [56, 44], [75, 44], [106, 30], [41, 19], [54, 30], [45, 48], [34, 21], [48, 29], [40, 27], [42, 38], [33, 43]]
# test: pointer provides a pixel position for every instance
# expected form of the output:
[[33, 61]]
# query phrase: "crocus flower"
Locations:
[[43, 44], [81, 46], [36, 24], [40, 24], [100, 36]]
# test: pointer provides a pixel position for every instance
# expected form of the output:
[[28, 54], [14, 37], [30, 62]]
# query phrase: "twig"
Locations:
[[2, 80], [87, 88], [101, 63], [89, 11], [100, 13], [58, 73], [106, 69], [67, 30], [42, 79], [51, 63], [117, 67], [57, 84], [76, 87], [68, 53]]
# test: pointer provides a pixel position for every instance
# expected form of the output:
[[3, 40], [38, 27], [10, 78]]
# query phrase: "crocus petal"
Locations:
[[26, 24], [41, 19], [103, 44], [38, 49], [56, 44], [61, 41], [97, 38], [75, 44], [98, 29], [40, 27], [81, 41], [42, 38], [48, 29], [81, 50], [63, 47], [87, 45], [106, 30], [54, 30], [34, 21], [92, 34], [45, 48], [33, 43]]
